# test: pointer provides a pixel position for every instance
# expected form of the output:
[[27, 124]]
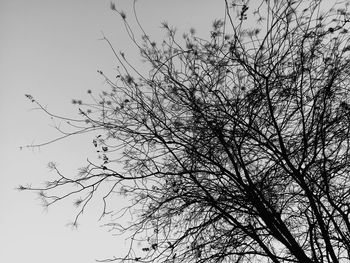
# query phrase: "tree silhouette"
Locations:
[[234, 148]]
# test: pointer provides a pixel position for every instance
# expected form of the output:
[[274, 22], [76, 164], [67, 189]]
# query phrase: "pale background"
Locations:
[[51, 50]]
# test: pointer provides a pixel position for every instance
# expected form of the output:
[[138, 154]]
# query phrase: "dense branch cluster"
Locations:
[[233, 148]]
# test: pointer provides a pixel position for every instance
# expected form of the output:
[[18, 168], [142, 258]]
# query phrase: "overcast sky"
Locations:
[[51, 50]]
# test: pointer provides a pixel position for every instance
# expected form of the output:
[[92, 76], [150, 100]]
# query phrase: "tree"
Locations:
[[234, 148]]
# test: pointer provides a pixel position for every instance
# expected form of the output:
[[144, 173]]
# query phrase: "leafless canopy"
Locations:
[[233, 148]]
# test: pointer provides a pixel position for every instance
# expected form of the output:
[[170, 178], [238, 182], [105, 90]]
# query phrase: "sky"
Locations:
[[52, 49]]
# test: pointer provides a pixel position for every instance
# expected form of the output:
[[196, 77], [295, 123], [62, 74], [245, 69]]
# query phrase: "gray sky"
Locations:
[[51, 50]]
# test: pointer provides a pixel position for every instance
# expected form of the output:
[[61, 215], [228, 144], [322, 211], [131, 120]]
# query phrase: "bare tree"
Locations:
[[234, 148]]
